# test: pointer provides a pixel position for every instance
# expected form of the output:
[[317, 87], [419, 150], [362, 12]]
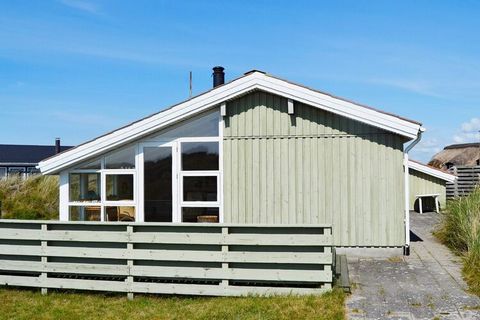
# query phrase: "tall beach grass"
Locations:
[[460, 230], [33, 198]]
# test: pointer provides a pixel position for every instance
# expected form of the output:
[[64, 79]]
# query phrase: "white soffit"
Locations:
[[252, 81], [431, 171]]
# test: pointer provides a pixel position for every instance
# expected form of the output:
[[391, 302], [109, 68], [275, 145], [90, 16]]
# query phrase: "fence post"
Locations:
[[328, 249], [44, 258], [129, 262], [225, 265]]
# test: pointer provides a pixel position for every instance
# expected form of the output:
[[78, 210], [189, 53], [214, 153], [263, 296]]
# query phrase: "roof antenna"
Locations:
[[190, 94]]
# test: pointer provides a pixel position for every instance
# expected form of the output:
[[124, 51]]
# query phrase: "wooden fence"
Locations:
[[190, 259], [467, 179]]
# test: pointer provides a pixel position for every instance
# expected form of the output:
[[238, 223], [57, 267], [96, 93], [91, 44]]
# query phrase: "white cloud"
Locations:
[[82, 5], [471, 126], [469, 132]]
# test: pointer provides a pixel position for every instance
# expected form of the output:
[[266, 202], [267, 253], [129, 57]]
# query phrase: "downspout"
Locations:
[[406, 249]]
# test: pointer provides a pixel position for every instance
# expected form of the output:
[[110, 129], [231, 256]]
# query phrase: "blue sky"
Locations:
[[79, 68]]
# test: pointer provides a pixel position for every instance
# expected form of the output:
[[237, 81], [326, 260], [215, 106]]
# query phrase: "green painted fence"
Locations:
[[195, 259]]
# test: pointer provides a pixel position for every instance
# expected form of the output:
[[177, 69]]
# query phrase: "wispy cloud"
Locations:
[[82, 5]]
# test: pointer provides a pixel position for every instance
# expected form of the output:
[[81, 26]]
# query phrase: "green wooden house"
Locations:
[[255, 150]]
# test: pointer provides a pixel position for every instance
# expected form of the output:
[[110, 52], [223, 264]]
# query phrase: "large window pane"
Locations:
[[84, 187], [199, 188], [158, 184], [120, 213], [123, 159], [200, 214], [202, 126], [199, 155], [84, 213], [119, 187], [94, 165]]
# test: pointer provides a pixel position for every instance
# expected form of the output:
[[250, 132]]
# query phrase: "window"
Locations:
[[199, 181], [94, 165], [200, 188], [120, 213], [84, 187], [32, 171], [157, 184], [16, 171], [3, 172], [199, 156], [200, 214], [123, 159], [104, 189], [205, 125], [119, 187], [84, 213]]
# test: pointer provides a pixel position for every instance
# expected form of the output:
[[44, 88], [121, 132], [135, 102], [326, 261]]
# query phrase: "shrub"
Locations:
[[460, 230], [33, 198]]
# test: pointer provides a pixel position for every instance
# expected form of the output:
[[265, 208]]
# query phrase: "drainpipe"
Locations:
[[406, 249]]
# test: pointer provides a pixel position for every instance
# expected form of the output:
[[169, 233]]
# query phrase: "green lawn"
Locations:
[[26, 304]]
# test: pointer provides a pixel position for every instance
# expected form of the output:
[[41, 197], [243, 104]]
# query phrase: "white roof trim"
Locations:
[[431, 171], [212, 98]]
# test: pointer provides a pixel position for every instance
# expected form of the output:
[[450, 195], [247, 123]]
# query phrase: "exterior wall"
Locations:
[[312, 167], [421, 183]]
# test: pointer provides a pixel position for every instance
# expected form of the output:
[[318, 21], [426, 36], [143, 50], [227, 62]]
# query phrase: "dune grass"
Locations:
[[33, 198], [460, 230], [27, 304]]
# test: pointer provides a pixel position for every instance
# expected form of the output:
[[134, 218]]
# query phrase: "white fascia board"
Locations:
[[431, 171], [341, 107], [250, 82]]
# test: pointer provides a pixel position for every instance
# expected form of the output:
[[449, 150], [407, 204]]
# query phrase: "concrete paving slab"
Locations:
[[425, 285]]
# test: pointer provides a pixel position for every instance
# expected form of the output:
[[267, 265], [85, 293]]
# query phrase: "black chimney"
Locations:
[[218, 76], [57, 145]]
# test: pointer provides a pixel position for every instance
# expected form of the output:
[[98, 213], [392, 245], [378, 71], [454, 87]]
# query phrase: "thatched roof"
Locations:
[[466, 154]]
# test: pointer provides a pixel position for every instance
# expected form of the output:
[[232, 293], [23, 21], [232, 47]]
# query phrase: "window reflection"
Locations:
[[200, 156]]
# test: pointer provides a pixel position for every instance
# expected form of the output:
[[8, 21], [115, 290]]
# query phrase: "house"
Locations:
[[23, 159], [465, 154], [427, 182], [255, 150]]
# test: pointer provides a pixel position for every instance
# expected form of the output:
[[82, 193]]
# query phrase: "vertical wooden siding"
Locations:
[[312, 167], [421, 183]]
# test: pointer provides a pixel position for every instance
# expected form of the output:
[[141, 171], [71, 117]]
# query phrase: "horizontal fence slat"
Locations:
[[232, 239], [217, 290], [20, 250], [233, 274], [82, 236]]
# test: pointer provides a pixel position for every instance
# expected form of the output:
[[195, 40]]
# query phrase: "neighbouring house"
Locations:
[[255, 150], [16, 159], [428, 183], [466, 154]]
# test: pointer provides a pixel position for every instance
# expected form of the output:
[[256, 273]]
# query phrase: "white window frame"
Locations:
[[200, 173], [103, 203]]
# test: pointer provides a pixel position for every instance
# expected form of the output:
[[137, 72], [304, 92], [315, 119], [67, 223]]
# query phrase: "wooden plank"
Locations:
[[233, 256], [233, 274], [214, 290], [76, 252], [17, 250], [82, 236], [15, 265]]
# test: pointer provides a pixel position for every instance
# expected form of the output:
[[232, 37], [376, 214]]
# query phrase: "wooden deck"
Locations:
[[196, 259]]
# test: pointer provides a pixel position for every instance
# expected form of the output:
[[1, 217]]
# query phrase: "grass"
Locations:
[[25, 304], [460, 230], [33, 198]]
